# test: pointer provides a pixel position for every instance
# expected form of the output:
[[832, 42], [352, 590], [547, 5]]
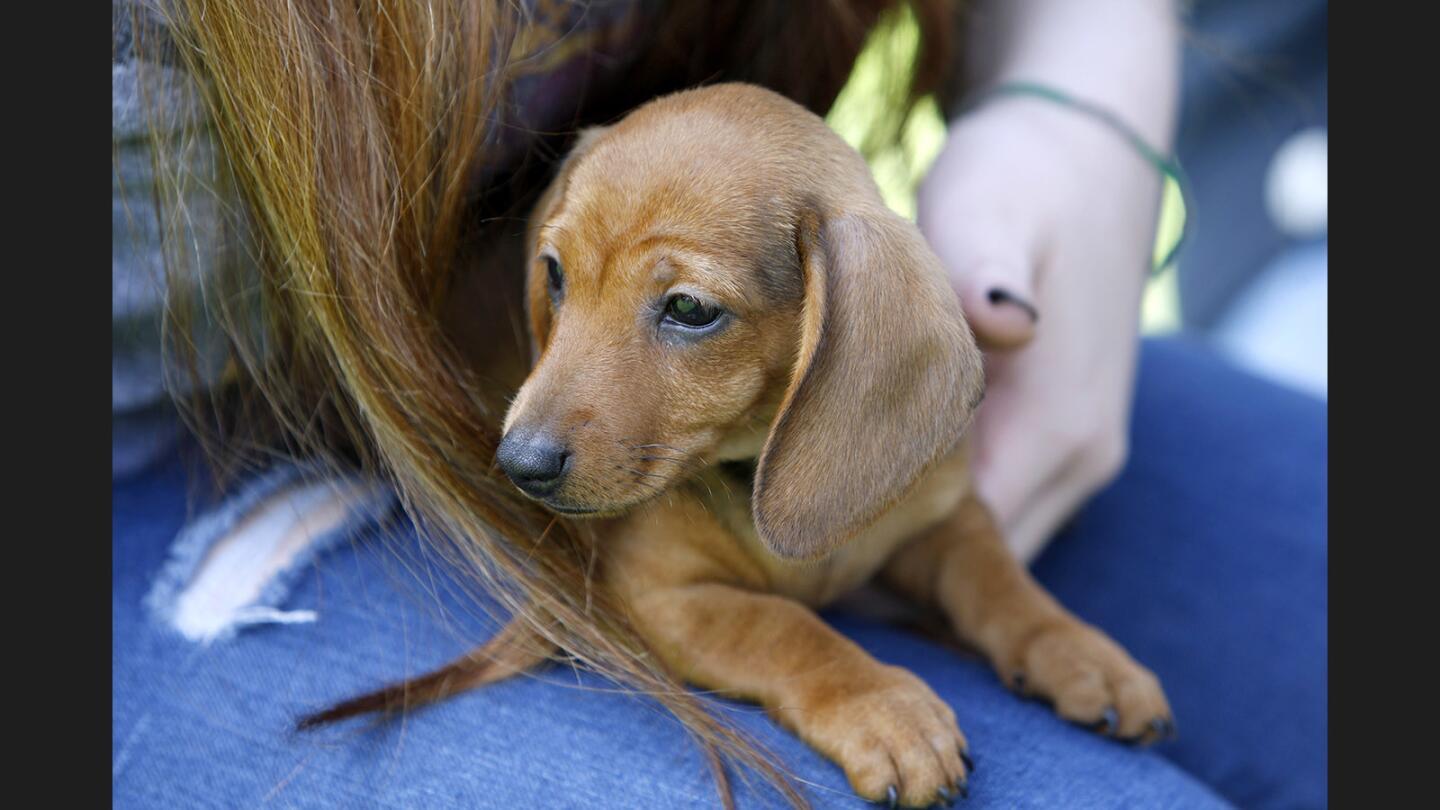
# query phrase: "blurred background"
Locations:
[[1252, 275]]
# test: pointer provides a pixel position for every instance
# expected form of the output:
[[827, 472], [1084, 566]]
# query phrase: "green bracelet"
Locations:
[[1168, 167]]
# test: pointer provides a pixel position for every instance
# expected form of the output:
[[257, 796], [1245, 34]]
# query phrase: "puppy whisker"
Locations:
[[681, 467], [658, 446], [654, 489]]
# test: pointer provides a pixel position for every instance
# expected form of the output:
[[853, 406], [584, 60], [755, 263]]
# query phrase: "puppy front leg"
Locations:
[[1036, 645], [893, 736]]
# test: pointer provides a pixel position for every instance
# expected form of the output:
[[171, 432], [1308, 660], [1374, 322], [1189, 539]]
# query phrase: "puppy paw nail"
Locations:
[[1164, 728], [1109, 721], [1157, 726]]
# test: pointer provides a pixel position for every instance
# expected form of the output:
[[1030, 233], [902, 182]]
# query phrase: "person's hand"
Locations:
[[1045, 220]]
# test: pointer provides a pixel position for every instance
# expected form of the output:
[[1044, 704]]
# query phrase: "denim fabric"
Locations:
[[216, 616], [1207, 559]]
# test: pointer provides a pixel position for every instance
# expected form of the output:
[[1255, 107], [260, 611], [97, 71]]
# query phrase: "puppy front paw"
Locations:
[[897, 741], [1091, 680]]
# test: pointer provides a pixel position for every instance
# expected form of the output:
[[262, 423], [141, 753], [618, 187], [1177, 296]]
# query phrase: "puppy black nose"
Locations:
[[533, 460]]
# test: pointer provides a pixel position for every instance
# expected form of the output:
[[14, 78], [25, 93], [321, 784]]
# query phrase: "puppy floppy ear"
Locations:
[[887, 377], [537, 291]]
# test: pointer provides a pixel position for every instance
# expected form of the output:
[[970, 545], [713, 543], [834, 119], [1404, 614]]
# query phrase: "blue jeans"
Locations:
[[1207, 559]]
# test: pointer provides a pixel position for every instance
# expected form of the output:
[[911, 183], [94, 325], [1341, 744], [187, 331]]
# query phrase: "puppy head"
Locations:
[[716, 278]]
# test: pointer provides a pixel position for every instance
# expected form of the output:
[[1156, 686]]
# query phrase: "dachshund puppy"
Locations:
[[757, 377]]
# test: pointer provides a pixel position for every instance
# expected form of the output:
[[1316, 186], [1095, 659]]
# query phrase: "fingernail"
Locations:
[[1000, 295]]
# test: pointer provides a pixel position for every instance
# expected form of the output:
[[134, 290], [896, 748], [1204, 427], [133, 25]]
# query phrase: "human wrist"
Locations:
[[1120, 55], [1086, 146], [1047, 147]]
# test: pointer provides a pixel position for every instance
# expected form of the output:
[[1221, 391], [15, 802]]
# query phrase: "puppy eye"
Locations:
[[689, 311], [555, 275]]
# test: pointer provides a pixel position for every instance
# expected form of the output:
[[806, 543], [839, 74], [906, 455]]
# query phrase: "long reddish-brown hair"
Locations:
[[351, 137]]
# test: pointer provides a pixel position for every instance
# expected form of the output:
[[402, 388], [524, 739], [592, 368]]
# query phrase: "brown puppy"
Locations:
[[757, 376]]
